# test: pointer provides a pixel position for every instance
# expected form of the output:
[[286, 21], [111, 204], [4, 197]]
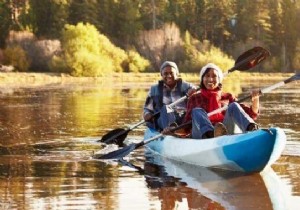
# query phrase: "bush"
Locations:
[[86, 52], [81, 52], [116, 54], [198, 54], [136, 63], [16, 57], [40, 52], [87, 64]]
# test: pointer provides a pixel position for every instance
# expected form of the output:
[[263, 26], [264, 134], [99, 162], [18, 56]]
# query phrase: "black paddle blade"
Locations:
[[293, 78], [251, 58], [118, 154], [116, 136]]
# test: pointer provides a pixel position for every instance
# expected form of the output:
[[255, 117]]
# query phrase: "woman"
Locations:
[[211, 98]]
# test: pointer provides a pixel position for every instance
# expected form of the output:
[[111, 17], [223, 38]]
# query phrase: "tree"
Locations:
[[127, 23], [85, 12], [219, 15], [289, 18], [5, 21], [246, 16], [48, 17], [276, 30], [153, 14]]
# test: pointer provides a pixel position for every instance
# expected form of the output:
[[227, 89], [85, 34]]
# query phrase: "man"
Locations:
[[168, 90]]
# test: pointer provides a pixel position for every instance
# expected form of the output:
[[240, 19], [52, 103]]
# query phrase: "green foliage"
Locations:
[[199, 54], [88, 64], [84, 11], [16, 56], [58, 64], [81, 52], [81, 36], [136, 63], [116, 54], [296, 59], [47, 17], [5, 21], [273, 24], [128, 22], [272, 64], [88, 53]]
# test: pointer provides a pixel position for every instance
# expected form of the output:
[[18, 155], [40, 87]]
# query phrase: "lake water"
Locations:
[[48, 135]]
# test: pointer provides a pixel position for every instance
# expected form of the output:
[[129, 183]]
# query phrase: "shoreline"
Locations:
[[24, 79]]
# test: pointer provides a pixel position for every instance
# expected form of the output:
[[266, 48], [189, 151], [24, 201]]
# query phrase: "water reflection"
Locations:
[[46, 114], [49, 134], [54, 184]]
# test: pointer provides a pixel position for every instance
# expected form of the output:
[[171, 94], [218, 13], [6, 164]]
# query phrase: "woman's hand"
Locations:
[[255, 100], [167, 130]]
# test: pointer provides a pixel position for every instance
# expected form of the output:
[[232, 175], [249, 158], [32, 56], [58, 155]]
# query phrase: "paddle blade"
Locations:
[[116, 136], [251, 58], [293, 78], [118, 154]]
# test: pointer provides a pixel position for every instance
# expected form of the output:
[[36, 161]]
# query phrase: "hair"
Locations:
[[202, 86]]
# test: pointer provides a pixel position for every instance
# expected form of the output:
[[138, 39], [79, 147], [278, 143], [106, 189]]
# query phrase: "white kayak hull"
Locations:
[[249, 152]]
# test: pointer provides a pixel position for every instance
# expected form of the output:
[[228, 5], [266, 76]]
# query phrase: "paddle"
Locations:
[[128, 149], [245, 61]]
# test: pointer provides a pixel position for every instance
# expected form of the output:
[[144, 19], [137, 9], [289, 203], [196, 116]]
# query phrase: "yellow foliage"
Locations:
[[86, 52], [81, 36], [117, 55], [136, 62], [16, 56], [88, 64], [199, 54]]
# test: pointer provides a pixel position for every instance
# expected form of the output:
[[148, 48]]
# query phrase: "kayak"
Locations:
[[249, 152]]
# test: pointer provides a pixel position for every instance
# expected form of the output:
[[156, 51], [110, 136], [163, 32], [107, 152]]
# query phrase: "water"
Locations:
[[48, 135]]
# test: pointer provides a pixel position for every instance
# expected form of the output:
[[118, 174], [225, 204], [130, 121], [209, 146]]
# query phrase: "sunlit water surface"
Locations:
[[48, 135]]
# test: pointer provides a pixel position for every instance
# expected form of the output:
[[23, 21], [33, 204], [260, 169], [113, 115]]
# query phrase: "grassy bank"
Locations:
[[13, 79]]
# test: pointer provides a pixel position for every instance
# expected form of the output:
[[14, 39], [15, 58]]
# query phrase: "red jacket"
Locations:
[[221, 99]]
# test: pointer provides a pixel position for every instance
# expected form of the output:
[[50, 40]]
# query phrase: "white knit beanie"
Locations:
[[171, 64], [211, 66]]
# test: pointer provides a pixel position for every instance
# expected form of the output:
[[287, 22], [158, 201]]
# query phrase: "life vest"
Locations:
[[156, 93]]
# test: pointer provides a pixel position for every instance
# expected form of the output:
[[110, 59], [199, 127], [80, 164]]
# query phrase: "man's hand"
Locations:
[[191, 91], [148, 117]]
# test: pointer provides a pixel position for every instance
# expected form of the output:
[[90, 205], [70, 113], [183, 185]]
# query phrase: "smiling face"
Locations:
[[169, 76], [210, 79]]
